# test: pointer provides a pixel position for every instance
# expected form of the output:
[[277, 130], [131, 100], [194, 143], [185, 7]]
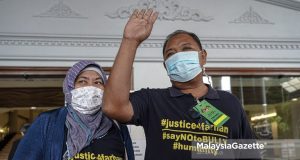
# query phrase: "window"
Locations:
[[270, 97]]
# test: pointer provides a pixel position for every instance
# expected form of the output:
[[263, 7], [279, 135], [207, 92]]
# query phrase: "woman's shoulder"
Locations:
[[54, 113]]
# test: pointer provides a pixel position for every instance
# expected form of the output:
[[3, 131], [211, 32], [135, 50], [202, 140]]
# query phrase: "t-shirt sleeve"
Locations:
[[247, 132], [245, 129], [140, 103]]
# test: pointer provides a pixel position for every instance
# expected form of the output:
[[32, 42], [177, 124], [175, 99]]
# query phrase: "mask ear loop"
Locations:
[[204, 72]]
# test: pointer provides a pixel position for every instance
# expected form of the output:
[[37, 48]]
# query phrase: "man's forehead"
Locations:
[[181, 39]]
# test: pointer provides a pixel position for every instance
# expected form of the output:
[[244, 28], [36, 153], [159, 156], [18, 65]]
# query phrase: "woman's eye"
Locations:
[[82, 82], [99, 82]]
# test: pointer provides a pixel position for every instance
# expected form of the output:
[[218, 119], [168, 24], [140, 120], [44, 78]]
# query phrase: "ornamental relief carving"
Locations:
[[251, 17], [170, 10], [60, 10]]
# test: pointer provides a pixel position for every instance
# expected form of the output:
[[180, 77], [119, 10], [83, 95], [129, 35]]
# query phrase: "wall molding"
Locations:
[[158, 43], [290, 4]]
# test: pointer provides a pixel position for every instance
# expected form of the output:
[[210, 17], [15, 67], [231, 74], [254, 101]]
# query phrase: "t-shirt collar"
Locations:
[[211, 94]]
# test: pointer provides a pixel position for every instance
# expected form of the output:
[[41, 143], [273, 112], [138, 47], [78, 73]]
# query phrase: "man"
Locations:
[[173, 118]]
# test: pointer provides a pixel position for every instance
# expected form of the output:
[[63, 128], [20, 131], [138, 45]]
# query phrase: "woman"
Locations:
[[79, 130]]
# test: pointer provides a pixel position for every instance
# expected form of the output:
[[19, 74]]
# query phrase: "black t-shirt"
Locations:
[[109, 147], [170, 124]]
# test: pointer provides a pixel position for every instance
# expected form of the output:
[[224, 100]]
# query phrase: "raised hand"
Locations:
[[139, 25]]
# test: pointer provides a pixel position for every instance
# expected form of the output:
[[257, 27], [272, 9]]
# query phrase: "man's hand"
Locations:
[[116, 95], [139, 25]]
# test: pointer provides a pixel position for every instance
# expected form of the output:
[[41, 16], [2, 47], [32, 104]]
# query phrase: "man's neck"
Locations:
[[197, 91], [196, 87]]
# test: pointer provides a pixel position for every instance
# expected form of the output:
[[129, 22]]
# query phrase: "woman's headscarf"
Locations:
[[82, 128], [74, 71]]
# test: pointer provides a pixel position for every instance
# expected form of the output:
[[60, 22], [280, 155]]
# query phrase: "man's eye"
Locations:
[[170, 54], [186, 48]]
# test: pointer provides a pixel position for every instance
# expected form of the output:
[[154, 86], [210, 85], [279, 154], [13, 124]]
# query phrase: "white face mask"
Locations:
[[87, 100]]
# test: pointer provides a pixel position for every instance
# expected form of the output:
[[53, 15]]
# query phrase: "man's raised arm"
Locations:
[[116, 95]]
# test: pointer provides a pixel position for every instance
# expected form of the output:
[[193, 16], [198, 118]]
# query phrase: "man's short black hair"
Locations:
[[193, 35]]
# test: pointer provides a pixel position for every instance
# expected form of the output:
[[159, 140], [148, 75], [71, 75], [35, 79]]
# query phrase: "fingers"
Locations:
[[153, 17], [134, 14], [148, 14], [141, 14]]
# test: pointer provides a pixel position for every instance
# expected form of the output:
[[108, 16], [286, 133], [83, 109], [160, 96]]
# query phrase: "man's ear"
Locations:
[[203, 55]]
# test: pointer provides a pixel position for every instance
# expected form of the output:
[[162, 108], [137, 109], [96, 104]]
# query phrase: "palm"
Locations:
[[139, 25]]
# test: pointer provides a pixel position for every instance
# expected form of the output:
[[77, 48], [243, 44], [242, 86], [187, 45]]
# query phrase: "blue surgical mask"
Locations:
[[183, 66]]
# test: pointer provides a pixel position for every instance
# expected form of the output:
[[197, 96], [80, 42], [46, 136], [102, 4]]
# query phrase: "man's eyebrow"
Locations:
[[183, 44], [186, 44]]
